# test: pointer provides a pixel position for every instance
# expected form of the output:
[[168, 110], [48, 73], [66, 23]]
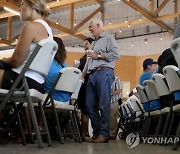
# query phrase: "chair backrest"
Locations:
[[150, 90], [173, 77], [69, 78], [175, 48], [160, 84], [42, 61], [142, 95], [76, 91], [135, 104]]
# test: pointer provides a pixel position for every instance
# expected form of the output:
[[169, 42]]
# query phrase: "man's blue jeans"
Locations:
[[98, 100]]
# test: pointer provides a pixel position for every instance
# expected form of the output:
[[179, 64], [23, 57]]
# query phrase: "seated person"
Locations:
[[57, 64], [149, 66], [35, 30], [166, 58]]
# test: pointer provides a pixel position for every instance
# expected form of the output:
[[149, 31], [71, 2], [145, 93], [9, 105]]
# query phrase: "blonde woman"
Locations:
[[35, 30]]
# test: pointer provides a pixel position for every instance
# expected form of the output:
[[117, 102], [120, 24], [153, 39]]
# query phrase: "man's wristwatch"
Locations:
[[99, 56]]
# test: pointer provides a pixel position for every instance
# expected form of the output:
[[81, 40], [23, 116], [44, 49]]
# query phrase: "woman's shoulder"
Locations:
[[34, 26]]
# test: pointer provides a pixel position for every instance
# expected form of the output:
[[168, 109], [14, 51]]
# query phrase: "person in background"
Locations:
[[149, 66], [104, 51], [115, 96], [82, 93], [57, 64], [166, 58]]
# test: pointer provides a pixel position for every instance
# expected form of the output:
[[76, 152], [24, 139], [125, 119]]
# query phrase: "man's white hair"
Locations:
[[97, 21]]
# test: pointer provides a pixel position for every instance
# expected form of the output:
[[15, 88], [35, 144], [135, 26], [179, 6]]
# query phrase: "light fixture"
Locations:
[[120, 30], [174, 2], [132, 44], [126, 20], [110, 23], [161, 38], [57, 23], [74, 22], [129, 25], [145, 41], [140, 19], [12, 11]]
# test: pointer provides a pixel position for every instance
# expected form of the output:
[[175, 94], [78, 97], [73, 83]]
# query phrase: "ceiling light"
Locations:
[[12, 11]]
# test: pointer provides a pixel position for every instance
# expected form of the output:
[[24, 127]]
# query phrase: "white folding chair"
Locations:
[[172, 74], [68, 80], [39, 61], [175, 48], [166, 100]]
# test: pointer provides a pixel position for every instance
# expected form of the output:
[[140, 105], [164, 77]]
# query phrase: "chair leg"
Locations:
[[28, 125], [147, 126], [76, 126], [167, 123], [33, 116], [171, 124], [21, 129], [35, 125], [45, 124], [57, 124], [158, 126], [175, 146]]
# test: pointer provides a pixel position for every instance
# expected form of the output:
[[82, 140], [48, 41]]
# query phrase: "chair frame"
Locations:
[[13, 96]]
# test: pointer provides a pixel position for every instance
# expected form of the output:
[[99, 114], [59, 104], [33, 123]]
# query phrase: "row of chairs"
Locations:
[[67, 80], [161, 100]]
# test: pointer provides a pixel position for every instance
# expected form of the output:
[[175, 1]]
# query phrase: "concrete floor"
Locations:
[[70, 147]]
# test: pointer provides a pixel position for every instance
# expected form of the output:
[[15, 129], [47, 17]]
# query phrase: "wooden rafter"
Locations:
[[152, 6], [9, 28], [135, 22], [86, 19], [72, 15], [175, 10], [77, 4], [148, 15], [65, 30], [62, 2], [160, 7]]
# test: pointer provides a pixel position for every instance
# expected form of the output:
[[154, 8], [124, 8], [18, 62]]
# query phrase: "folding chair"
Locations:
[[175, 48], [67, 80], [165, 100], [146, 106], [172, 74], [39, 61]]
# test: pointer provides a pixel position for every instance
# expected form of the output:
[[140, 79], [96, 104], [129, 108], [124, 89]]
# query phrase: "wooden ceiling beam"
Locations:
[[163, 4], [65, 30], [175, 10], [86, 19], [9, 5], [77, 4], [62, 2], [3, 41], [148, 15], [9, 28], [135, 22], [72, 15], [152, 6]]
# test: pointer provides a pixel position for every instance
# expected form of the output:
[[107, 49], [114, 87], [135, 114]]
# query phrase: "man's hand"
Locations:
[[91, 54]]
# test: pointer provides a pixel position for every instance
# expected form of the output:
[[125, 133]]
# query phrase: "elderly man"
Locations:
[[100, 65]]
